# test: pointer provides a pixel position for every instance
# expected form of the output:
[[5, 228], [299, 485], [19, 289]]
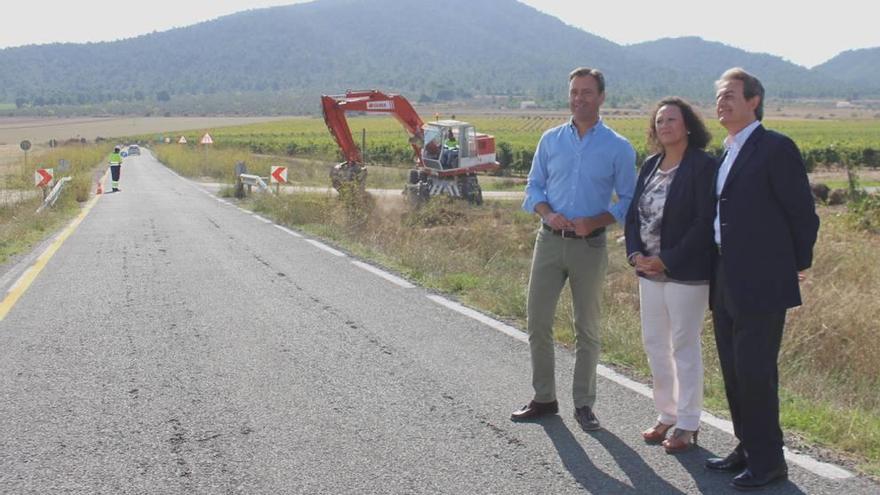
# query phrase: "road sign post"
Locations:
[[240, 168], [25, 146], [205, 141]]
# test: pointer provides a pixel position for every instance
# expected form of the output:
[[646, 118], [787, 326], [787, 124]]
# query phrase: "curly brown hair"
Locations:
[[698, 136]]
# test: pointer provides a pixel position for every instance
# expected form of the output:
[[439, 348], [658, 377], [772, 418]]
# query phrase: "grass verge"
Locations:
[[219, 165], [21, 228]]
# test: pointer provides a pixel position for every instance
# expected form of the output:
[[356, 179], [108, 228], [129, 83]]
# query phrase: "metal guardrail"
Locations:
[[53, 195], [250, 180]]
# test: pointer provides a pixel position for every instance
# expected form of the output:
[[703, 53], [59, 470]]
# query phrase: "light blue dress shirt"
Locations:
[[576, 175]]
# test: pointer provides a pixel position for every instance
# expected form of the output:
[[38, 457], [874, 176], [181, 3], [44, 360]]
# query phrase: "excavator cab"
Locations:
[[448, 144]]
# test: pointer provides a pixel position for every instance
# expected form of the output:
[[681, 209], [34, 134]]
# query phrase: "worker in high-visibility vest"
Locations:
[[115, 168], [450, 152]]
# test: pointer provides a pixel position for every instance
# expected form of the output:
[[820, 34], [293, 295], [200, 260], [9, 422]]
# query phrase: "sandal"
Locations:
[[656, 434], [681, 441]]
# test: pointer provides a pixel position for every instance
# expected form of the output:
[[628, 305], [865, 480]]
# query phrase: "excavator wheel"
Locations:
[[470, 189], [476, 196], [414, 176]]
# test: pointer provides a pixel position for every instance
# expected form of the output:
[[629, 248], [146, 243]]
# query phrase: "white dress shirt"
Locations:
[[732, 144]]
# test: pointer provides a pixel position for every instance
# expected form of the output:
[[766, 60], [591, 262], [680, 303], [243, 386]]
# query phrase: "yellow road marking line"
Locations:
[[24, 282]]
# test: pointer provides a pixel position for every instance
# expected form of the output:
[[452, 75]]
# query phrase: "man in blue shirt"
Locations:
[[576, 168]]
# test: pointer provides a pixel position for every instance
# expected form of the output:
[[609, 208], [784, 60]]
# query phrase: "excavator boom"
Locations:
[[369, 101]]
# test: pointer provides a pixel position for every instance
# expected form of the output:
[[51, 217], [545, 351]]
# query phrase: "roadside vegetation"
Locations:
[[20, 226], [218, 165]]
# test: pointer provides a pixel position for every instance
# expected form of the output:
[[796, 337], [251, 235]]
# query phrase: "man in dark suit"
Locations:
[[765, 228]]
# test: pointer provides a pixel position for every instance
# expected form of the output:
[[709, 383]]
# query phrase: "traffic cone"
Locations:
[[100, 188]]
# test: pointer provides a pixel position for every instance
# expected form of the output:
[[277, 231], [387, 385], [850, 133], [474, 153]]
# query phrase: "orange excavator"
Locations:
[[448, 153]]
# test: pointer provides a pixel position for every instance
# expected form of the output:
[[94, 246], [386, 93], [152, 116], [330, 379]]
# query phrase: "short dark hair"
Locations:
[[698, 136], [752, 87], [587, 71]]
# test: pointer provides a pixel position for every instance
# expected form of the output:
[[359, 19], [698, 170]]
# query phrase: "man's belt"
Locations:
[[570, 234]]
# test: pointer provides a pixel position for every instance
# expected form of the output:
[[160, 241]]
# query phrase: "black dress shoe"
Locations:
[[748, 481], [535, 410], [734, 462]]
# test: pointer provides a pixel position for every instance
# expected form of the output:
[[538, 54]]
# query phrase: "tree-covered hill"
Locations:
[[431, 51]]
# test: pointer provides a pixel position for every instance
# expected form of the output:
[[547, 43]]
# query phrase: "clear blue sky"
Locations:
[[797, 31]]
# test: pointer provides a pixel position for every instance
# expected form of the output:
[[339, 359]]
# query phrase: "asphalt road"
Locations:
[[175, 344]]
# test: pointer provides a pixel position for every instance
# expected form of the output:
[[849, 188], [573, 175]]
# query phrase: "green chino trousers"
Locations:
[[583, 263]]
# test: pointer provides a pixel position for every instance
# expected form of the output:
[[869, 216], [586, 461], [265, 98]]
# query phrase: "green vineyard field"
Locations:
[[822, 142]]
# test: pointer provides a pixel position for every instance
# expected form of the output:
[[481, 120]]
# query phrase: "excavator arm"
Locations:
[[369, 101]]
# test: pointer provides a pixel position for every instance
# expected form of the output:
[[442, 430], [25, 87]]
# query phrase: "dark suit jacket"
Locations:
[[686, 228], [768, 224]]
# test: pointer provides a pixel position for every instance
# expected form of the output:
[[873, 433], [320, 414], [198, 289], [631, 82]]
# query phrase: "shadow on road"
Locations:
[[578, 463], [642, 477]]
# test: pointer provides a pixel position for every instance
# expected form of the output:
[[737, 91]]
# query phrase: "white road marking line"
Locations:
[[325, 247], [23, 282], [812, 465], [497, 325], [285, 229], [261, 218], [821, 468], [382, 273]]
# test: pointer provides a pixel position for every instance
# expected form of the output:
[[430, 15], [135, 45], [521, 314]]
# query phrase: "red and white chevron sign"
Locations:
[[43, 176], [278, 175]]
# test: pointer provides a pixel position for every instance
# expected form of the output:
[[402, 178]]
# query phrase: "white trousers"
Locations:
[[672, 319]]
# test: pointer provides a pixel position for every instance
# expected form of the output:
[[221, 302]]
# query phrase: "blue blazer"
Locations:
[[686, 227], [768, 224]]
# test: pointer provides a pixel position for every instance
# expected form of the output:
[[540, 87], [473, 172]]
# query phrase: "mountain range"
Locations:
[[430, 51]]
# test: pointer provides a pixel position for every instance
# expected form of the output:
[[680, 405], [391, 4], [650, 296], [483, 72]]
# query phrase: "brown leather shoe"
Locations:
[[656, 434], [681, 441], [535, 410]]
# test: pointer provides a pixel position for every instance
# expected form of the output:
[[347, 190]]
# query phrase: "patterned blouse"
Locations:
[[651, 204]]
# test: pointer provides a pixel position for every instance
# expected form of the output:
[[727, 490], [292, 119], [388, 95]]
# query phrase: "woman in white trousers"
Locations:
[[669, 241]]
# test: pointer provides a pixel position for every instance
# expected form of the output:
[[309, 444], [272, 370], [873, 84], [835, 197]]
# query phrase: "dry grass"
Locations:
[[835, 332], [219, 163]]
